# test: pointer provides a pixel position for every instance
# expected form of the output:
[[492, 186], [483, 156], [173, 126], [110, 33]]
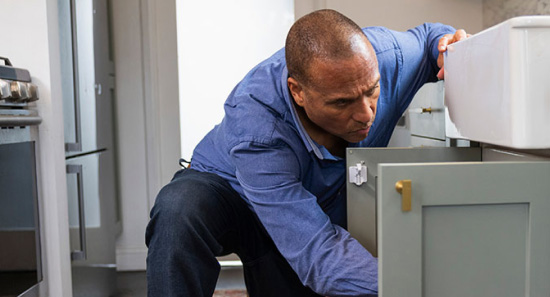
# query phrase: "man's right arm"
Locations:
[[324, 256]]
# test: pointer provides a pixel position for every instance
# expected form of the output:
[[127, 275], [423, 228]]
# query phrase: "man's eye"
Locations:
[[341, 102], [373, 90]]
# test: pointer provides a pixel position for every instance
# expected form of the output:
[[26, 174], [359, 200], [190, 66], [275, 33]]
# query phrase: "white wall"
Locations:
[[131, 142], [33, 44], [219, 41], [148, 141], [402, 14], [497, 11]]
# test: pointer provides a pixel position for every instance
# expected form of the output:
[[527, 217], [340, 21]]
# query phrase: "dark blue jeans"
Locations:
[[197, 217]]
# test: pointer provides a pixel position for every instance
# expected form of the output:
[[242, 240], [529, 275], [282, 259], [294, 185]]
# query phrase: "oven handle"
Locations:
[[79, 254], [18, 121]]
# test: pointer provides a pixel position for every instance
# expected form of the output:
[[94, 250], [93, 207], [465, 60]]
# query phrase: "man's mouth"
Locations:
[[364, 130]]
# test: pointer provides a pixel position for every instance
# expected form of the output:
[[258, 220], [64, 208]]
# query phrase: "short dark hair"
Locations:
[[322, 34]]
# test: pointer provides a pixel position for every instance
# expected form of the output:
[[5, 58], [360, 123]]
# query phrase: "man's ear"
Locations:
[[296, 91]]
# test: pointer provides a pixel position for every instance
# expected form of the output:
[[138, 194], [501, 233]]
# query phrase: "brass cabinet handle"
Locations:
[[403, 187], [424, 110]]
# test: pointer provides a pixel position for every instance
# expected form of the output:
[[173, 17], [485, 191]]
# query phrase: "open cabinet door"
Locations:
[[473, 229], [361, 196]]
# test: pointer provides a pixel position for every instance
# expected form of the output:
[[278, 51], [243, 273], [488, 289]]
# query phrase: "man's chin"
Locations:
[[356, 139]]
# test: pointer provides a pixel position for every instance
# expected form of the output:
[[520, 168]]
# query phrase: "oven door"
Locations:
[[20, 254]]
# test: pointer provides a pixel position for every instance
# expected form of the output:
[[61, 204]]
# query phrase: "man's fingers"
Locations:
[[444, 41], [441, 73], [450, 38], [459, 35]]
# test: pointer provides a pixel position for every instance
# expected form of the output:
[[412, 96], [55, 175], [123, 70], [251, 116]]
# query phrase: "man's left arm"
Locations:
[[422, 51]]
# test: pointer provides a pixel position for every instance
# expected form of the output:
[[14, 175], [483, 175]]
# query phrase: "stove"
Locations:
[[20, 251]]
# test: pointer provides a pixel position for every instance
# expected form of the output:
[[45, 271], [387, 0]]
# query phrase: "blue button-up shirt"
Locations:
[[296, 186]]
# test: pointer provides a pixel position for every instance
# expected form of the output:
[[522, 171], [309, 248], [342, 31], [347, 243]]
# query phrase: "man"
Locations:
[[268, 183]]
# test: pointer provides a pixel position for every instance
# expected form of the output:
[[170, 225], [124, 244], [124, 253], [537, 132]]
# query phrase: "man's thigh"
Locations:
[[217, 221], [205, 205]]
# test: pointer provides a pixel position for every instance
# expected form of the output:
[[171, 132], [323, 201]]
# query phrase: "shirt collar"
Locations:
[[320, 151]]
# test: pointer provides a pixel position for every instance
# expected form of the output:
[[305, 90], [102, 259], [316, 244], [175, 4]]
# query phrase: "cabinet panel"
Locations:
[[474, 229], [505, 154], [478, 237], [361, 200], [426, 142]]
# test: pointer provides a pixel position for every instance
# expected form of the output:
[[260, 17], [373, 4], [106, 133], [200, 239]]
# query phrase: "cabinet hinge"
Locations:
[[358, 174]]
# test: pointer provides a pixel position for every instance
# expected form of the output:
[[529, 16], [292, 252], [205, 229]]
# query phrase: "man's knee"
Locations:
[[183, 202], [187, 212]]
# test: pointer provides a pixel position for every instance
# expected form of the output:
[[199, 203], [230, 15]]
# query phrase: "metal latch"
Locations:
[[358, 174]]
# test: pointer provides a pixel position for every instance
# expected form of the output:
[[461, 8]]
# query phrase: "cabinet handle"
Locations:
[[403, 187], [422, 110], [79, 254]]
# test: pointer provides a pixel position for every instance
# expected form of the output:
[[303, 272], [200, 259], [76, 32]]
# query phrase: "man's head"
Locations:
[[333, 77]]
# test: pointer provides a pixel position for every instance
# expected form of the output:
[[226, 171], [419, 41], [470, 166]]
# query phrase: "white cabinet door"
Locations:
[[474, 229]]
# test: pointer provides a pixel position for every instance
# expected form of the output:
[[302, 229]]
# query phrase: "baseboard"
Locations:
[[231, 260], [131, 259], [134, 259]]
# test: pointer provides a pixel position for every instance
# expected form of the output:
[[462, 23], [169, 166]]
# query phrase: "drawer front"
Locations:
[[426, 142], [427, 112]]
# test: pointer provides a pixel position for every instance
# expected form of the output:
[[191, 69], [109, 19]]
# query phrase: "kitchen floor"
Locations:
[[230, 283]]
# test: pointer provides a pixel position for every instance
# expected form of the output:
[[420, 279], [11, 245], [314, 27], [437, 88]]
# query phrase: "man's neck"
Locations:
[[335, 145]]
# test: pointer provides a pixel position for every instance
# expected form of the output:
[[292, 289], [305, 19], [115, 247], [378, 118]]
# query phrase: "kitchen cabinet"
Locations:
[[423, 123], [460, 229], [427, 112], [362, 198], [427, 118], [465, 221]]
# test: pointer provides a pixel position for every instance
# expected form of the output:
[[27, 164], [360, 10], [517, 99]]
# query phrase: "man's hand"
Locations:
[[442, 47]]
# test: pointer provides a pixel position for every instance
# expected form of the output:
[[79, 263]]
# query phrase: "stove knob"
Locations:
[[19, 91], [32, 92], [4, 89]]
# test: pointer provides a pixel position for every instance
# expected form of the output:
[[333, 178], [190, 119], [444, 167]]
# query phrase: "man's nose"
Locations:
[[364, 112]]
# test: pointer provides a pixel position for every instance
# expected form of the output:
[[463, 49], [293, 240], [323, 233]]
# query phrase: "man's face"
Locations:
[[340, 99]]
